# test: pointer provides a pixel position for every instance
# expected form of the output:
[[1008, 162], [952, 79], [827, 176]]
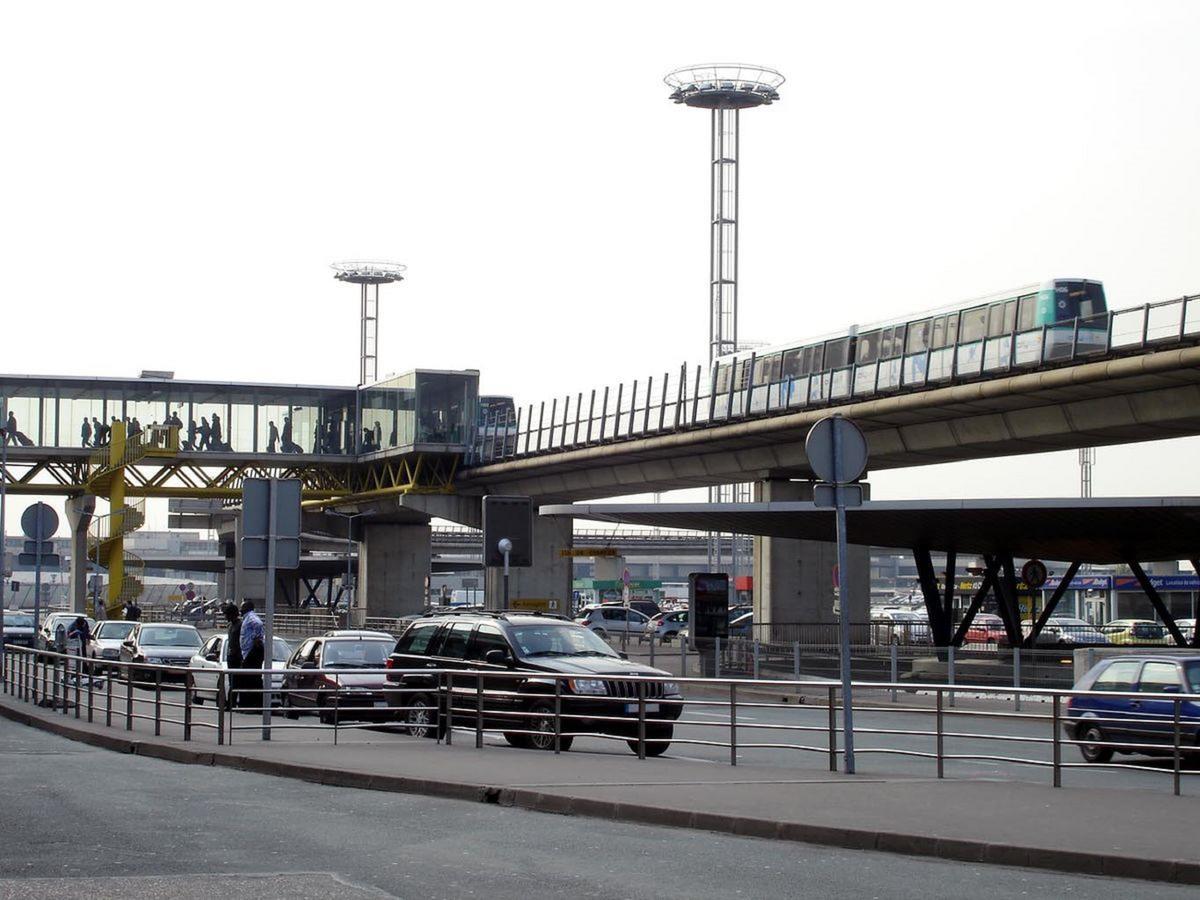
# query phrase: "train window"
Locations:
[[995, 320], [868, 347], [1027, 312], [722, 377], [918, 336], [837, 353], [974, 324], [1010, 316], [893, 342], [1093, 303], [772, 368], [939, 332], [743, 373], [952, 328], [816, 359], [792, 362]]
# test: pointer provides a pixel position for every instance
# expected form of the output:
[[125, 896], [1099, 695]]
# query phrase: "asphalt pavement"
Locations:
[[83, 821]]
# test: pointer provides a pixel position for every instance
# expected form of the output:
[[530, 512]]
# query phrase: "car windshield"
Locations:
[[282, 650], [18, 620], [356, 654], [558, 640], [114, 631], [166, 636]]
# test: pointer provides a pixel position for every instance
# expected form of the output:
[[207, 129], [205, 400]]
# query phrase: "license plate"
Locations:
[[633, 707]]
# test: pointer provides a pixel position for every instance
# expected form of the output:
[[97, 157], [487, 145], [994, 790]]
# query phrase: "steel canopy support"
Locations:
[[1156, 602], [989, 584], [939, 619], [1046, 613], [1006, 601], [1195, 561]]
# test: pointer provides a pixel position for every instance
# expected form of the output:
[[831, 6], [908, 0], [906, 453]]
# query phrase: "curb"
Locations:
[[1068, 861]]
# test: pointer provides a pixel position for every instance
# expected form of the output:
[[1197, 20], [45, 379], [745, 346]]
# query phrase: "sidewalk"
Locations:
[[1120, 833]]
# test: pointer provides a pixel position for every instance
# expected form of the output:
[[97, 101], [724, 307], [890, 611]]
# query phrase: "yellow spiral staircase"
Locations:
[[106, 534]]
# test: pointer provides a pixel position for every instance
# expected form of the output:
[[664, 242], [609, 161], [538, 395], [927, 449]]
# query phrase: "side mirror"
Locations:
[[496, 658]]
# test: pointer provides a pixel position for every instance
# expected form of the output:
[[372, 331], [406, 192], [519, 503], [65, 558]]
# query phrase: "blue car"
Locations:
[[1128, 721]]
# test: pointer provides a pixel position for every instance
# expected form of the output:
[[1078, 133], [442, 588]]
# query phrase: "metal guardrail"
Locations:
[[681, 400], [542, 712]]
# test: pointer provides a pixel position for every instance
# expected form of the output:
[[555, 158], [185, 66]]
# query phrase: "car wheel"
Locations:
[[653, 738], [517, 740], [288, 711], [421, 717], [541, 724], [325, 716], [1091, 736]]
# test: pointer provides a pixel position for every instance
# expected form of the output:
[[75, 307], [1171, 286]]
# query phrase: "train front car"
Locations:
[[1076, 315]]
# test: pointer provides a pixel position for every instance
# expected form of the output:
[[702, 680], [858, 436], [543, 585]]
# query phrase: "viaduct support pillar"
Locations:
[[549, 578], [79, 516], [393, 563], [793, 579]]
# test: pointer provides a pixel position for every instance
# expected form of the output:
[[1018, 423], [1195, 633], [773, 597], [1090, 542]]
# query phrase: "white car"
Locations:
[[107, 638], [612, 620], [53, 633], [18, 627], [213, 658], [900, 626], [665, 627]]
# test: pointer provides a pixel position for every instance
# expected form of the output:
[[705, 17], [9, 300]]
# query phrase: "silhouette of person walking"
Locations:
[[214, 441], [272, 437], [205, 434], [85, 433]]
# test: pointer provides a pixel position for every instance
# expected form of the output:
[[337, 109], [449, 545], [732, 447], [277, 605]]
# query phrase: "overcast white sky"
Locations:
[[179, 176]]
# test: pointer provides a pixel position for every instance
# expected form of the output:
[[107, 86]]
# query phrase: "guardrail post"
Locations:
[[108, 698], [950, 670], [1175, 717], [717, 658], [78, 682], [53, 683], [895, 655], [733, 724], [653, 641], [557, 715], [940, 738], [796, 660], [1055, 723], [682, 655], [188, 686], [449, 689], [832, 731], [157, 702], [337, 696], [91, 690], [756, 659], [221, 704], [641, 698], [129, 699], [479, 710], [1017, 678]]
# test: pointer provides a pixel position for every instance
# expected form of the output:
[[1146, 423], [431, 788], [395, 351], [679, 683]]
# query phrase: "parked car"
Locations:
[[1130, 722], [1187, 627], [665, 627], [359, 633], [1137, 631], [107, 639], [53, 633], [213, 658], [18, 628], [742, 626], [348, 692], [647, 608], [1063, 631], [900, 626], [526, 646], [986, 628], [159, 643], [612, 620]]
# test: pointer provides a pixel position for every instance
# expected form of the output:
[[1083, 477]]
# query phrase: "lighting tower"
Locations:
[[725, 89], [368, 274]]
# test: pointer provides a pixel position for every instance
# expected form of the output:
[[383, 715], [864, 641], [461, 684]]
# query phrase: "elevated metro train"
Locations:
[[1028, 325]]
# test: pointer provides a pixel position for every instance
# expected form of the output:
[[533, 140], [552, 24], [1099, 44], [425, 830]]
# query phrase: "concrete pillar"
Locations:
[[79, 516], [549, 578], [793, 579], [393, 563]]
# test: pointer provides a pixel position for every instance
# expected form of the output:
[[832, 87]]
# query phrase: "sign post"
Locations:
[[39, 522], [837, 452], [271, 540], [507, 536]]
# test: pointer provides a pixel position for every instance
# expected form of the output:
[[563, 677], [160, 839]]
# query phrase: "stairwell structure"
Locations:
[[106, 534]]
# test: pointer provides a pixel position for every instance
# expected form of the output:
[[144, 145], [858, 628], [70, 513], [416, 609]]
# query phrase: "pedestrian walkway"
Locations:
[[1120, 833]]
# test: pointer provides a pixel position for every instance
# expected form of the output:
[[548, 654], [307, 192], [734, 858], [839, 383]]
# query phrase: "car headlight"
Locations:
[[671, 688], [588, 686]]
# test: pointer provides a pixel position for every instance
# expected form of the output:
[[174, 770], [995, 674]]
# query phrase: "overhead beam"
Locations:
[[1156, 602], [1046, 613]]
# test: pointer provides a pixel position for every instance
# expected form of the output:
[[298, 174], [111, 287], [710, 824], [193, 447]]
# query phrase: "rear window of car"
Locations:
[[1119, 676], [1191, 671], [416, 639], [1146, 630]]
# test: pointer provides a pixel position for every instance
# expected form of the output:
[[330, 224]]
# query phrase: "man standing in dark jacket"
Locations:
[[233, 652]]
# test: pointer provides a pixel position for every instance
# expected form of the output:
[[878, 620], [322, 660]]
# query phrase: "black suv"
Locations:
[[526, 645]]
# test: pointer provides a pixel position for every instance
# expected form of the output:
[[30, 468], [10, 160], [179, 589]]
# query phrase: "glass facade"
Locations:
[[419, 408]]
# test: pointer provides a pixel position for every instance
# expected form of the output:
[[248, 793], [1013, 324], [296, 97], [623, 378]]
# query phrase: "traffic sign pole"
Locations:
[[269, 612], [844, 611]]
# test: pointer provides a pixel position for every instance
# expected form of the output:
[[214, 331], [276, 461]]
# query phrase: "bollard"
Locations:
[[221, 703], [895, 669], [940, 738], [1017, 678], [950, 671]]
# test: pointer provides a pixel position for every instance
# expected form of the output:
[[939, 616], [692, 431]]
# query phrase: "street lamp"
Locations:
[[348, 581]]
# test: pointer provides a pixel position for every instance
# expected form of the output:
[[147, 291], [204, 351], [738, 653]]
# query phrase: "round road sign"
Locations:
[[39, 528], [852, 450], [1033, 573]]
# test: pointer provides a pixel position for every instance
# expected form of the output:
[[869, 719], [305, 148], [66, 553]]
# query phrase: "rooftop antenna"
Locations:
[[725, 89], [368, 274]]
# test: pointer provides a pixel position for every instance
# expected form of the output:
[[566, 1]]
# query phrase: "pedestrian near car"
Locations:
[[251, 642], [133, 612], [79, 629], [233, 651]]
